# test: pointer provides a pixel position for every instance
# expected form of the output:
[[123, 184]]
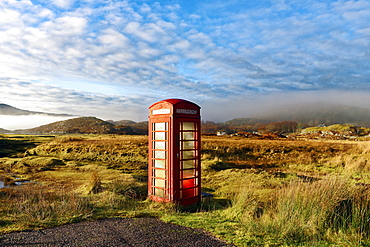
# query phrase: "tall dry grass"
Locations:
[[291, 193], [358, 161], [264, 154], [40, 206], [117, 152], [305, 212]]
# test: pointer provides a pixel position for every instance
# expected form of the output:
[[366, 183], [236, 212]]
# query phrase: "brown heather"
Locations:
[[266, 192]]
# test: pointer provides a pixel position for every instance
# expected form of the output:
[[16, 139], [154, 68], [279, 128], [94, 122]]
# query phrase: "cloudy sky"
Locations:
[[112, 58]]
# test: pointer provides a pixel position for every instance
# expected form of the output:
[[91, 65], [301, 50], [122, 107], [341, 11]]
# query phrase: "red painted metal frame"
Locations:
[[189, 112]]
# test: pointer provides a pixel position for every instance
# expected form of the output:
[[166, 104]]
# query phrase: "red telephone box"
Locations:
[[174, 152]]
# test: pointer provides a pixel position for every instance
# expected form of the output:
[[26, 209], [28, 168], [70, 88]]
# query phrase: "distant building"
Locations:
[[221, 133]]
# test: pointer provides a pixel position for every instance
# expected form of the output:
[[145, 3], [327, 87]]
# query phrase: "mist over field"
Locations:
[[252, 106], [27, 121], [258, 105]]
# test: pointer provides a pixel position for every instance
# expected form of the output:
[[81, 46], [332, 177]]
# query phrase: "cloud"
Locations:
[[65, 26], [62, 3], [208, 51], [52, 99], [253, 105]]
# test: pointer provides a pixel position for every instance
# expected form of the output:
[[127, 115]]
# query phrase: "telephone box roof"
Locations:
[[173, 102]]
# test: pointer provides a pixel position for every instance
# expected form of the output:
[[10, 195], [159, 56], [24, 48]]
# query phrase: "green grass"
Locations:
[[329, 212], [266, 193]]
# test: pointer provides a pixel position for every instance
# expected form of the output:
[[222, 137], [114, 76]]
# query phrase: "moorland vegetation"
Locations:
[[281, 192]]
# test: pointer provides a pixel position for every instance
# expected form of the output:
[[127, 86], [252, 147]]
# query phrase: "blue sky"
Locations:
[[112, 59]]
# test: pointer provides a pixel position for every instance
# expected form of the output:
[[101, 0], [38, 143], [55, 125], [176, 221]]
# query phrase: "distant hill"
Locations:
[[303, 115], [319, 113], [81, 125], [3, 131], [121, 122], [141, 128], [13, 111], [246, 121], [339, 128]]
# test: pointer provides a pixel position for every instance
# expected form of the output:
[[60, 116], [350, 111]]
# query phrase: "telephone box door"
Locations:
[[159, 159], [189, 160]]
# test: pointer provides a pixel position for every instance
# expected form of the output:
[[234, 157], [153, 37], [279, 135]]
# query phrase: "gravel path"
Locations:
[[114, 232]]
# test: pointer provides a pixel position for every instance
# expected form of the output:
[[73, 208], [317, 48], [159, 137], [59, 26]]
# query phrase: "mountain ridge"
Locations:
[[303, 114], [3, 131], [80, 125]]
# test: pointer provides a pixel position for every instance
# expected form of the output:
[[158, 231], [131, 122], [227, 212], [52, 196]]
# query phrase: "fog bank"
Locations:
[[244, 106], [27, 121]]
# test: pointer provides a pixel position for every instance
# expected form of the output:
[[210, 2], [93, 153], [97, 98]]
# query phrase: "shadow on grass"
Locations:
[[5, 223], [219, 166], [208, 206], [11, 146]]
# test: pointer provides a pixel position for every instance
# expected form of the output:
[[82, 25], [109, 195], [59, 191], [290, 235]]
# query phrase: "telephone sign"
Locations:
[[174, 152]]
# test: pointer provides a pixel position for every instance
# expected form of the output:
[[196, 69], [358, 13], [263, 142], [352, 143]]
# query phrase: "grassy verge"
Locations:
[[267, 193]]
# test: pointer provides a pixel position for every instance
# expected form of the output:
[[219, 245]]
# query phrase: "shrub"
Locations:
[[128, 188], [95, 185], [65, 139], [32, 164]]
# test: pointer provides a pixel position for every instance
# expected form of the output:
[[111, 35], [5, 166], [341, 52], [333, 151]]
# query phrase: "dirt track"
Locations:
[[114, 232]]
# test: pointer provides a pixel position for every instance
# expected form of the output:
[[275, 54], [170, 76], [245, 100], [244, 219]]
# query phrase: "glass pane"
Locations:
[[188, 144], [160, 136], [188, 126], [159, 145], [159, 183], [188, 164], [160, 154], [188, 136], [159, 173], [188, 173], [188, 154], [160, 126], [160, 163], [188, 183], [159, 192]]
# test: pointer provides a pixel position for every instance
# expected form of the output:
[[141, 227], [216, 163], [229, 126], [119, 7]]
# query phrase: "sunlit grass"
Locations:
[[266, 192], [38, 206]]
